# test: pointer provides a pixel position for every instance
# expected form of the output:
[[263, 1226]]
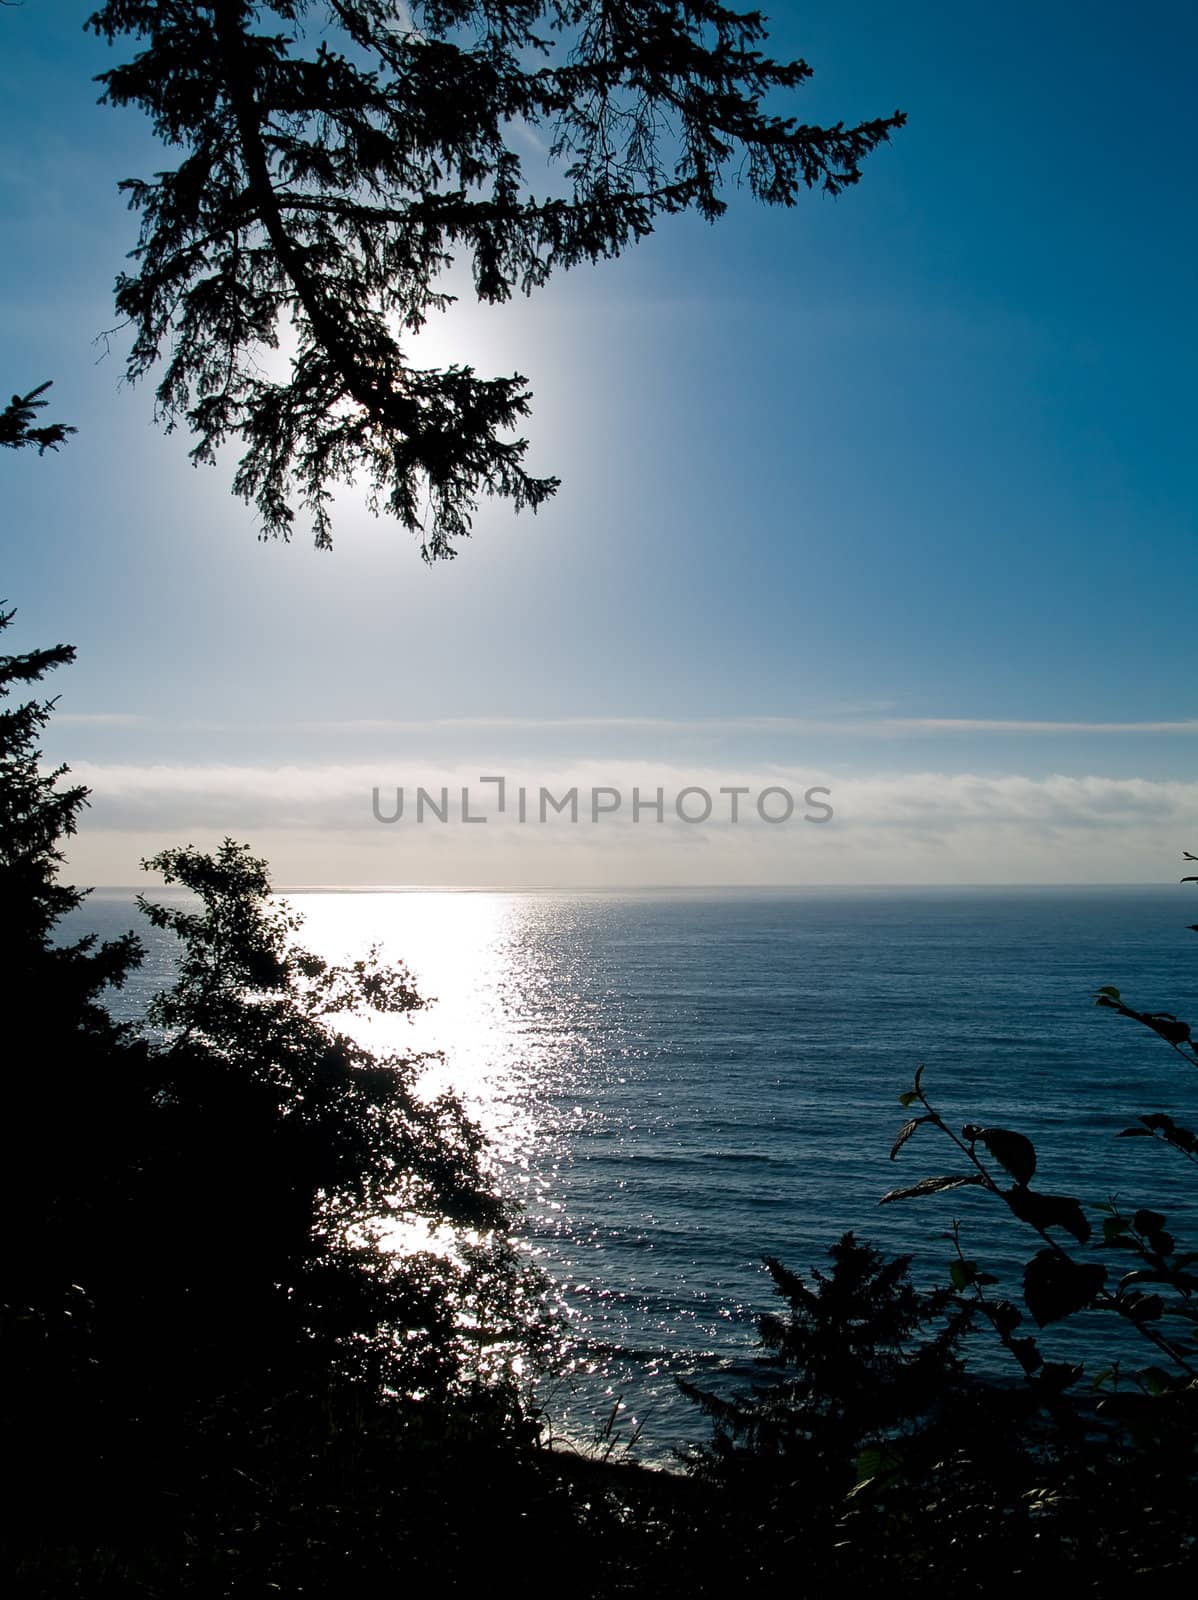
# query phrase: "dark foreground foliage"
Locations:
[[872, 1455], [204, 1334], [218, 1380]]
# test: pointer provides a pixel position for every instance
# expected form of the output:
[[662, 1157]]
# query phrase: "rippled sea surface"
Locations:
[[677, 1084]]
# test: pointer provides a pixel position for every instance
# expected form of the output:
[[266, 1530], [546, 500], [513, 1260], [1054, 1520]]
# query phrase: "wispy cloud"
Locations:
[[867, 727], [858, 727], [98, 719], [934, 725]]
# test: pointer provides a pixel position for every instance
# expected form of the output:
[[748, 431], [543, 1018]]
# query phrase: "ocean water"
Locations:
[[676, 1084]]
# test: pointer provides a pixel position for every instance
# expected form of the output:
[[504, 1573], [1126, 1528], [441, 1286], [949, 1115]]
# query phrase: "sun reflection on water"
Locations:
[[519, 1023], [496, 1015]]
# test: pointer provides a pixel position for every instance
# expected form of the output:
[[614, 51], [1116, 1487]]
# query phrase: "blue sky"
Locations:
[[893, 493]]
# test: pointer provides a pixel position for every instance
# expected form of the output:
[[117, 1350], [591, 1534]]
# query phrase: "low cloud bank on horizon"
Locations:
[[316, 824]]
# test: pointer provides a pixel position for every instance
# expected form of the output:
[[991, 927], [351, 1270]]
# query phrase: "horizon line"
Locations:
[[662, 888]]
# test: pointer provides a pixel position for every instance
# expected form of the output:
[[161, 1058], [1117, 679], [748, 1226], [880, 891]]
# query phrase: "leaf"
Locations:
[[909, 1098], [1149, 1221], [904, 1133], [1027, 1353], [932, 1186], [1171, 1132], [1049, 1211], [1005, 1316], [876, 1461], [1055, 1286], [1110, 990], [1182, 1139], [1060, 1375], [1144, 1307], [1167, 1025], [962, 1273], [1013, 1152]]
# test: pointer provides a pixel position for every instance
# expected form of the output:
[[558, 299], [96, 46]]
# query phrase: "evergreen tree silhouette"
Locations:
[[330, 175]]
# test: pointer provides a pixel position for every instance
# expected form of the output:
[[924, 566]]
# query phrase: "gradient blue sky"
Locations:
[[893, 493]]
